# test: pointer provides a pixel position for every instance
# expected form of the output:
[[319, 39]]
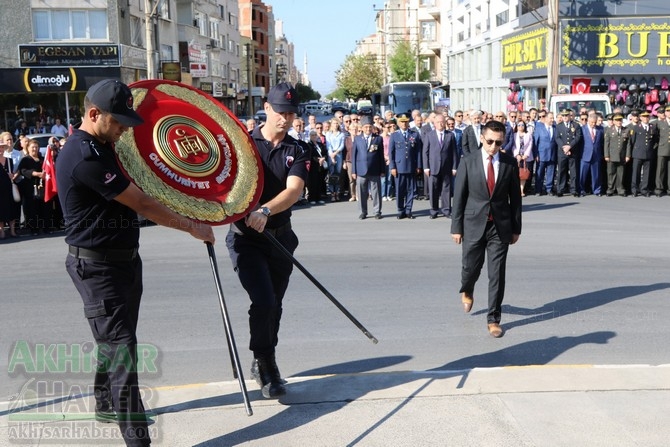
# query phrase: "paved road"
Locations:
[[587, 285]]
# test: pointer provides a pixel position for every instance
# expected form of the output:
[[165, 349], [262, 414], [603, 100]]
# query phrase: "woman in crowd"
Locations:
[[523, 149], [7, 175], [348, 182], [387, 181], [335, 145], [319, 166], [32, 190]]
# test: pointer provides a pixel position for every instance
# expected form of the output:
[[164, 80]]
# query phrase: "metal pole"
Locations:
[[148, 27], [237, 369], [250, 110], [325, 291]]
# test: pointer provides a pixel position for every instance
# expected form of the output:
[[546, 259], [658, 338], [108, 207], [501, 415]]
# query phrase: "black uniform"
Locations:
[[103, 238], [568, 134], [263, 270], [644, 143]]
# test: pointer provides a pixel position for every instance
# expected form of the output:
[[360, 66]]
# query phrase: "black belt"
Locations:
[[103, 254], [273, 231]]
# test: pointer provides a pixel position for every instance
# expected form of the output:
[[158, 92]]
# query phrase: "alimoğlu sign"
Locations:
[[524, 54], [89, 55], [616, 46]]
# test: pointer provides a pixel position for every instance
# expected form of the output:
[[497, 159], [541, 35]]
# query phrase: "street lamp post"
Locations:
[[417, 70], [250, 110]]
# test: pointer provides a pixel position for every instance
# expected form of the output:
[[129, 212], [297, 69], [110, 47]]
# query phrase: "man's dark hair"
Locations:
[[495, 126]]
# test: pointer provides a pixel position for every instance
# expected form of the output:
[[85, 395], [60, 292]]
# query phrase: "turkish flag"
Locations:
[[49, 177], [581, 85]]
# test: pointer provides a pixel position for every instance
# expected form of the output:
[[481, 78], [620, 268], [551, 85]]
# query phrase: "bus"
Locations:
[[403, 97]]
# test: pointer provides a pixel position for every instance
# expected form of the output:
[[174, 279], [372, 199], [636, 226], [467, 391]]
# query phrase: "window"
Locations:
[[502, 18], [531, 5], [166, 53], [213, 29], [164, 10], [200, 21], [137, 32], [70, 24], [428, 31]]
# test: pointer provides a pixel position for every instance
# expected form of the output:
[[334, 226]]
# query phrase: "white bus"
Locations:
[[403, 97]]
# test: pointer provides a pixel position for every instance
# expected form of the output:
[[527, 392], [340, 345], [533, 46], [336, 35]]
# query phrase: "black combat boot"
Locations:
[[265, 372]]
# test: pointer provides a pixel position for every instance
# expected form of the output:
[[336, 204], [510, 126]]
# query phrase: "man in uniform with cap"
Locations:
[[367, 167], [405, 150], [263, 270], [663, 165], [617, 153], [644, 142], [568, 138], [100, 207]]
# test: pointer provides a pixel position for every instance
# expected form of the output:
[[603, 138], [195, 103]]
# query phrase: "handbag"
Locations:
[[16, 193], [524, 173]]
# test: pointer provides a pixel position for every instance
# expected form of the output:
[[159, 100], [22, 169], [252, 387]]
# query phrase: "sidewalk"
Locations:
[[511, 406]]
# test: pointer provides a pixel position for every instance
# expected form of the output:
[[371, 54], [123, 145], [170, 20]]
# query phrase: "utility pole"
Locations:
[[250, 110], [152, 72], [417, 75], [552, 48]]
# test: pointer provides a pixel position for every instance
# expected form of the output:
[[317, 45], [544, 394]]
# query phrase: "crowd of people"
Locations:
[[23, 208], [578, 153]]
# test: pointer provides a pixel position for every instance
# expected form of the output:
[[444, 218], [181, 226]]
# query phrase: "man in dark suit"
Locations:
[[439, 165], [568, 139], [405, 163], [471, 134], [592, 154], [543, 139], [367, 166], [486, 218]]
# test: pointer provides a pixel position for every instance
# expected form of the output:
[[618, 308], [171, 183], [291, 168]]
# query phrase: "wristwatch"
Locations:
[[265, 210]]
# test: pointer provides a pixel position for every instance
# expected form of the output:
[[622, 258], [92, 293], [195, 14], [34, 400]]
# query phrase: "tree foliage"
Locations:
[[359, 76], [403, 63], [306, 92]]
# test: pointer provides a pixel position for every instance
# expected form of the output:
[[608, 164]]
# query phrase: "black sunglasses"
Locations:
[[497, 142]]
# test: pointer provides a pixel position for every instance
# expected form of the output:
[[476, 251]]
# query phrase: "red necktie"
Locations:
[[491, 176]]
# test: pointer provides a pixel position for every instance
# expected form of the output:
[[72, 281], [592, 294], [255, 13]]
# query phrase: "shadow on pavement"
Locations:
[[571, 305], [545, 206], [535, 352]]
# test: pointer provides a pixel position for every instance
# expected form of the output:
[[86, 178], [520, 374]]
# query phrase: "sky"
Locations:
[[327, 31]]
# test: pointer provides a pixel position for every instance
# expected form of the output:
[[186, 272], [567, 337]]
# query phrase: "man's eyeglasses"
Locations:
[[347, 121], [355, 119], [497, 142], [498, 116], [458, 115]]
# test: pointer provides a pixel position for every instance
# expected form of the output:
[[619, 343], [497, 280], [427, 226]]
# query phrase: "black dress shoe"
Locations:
[[448, 215], [378, 216], [635, 194], [433, 216], [106, 417], [265, 372], [409, 216], [609, 194], [647, 194], [559, 194], [402, 216], [362, 216]]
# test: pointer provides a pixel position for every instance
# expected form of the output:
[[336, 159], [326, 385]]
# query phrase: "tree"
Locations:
[[403, 63], [359, 76], [306, 93]]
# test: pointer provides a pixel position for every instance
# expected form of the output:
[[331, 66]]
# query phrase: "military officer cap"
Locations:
[[566, 112], [645, 113], [635, 113], [617, 117], [402, 118]]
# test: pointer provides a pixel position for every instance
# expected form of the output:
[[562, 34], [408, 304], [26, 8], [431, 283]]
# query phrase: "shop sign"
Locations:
[[171, 71], [206, 87], [218, 90], [98, 55], [42, 80], [616, 46], [524, 54]]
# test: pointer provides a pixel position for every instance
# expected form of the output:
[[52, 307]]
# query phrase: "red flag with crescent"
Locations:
[[581, 85], [49, 176], [191, 153]]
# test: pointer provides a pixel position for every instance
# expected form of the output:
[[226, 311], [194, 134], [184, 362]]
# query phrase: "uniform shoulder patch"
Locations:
[[89, 150]]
